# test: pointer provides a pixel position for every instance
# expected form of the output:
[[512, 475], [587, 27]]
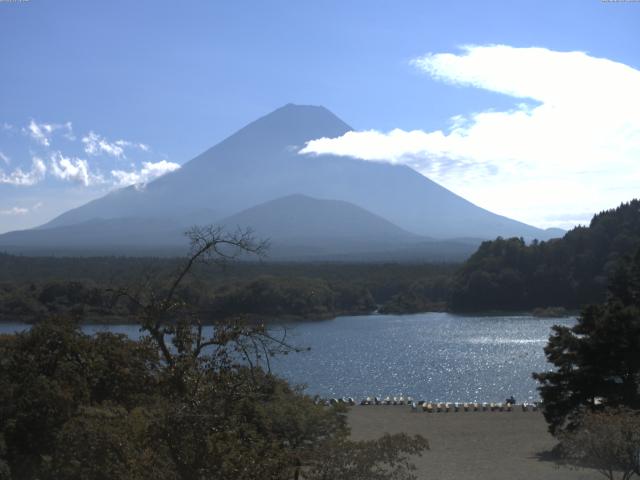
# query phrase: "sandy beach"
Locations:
[[471, 445]]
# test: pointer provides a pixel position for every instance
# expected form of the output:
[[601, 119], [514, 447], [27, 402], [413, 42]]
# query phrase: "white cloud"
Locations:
[[5, 158], [79, 170], [73, 169], [7, 127], [21, 178], [125, 143], [42, 132], [574, 144], [95, 144], [14, 211], [148, 172]]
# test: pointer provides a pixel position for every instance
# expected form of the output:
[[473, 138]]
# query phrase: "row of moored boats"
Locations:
[[437, 407]]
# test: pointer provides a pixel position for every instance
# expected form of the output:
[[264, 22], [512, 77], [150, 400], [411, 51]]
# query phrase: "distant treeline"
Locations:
[[31, 287], [503, 275], [507, 274]]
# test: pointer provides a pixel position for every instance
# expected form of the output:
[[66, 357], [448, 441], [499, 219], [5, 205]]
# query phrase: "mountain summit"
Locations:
[[235, 174], [260, 163]]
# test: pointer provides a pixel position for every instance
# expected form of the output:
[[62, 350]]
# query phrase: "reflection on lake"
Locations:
[[435, 356]]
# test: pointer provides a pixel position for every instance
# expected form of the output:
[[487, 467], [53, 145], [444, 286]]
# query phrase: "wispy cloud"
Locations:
[[73, 169], [69, 135], [13, 211], [67, 163], [571, 140], [42, 132], [19, 177], [95, 144], [80, 171], [125, 143], [148, 172]]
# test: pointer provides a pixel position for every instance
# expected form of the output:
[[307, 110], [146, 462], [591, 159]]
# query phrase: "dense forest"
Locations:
[[503, 275], [31, 287], [508, 274]]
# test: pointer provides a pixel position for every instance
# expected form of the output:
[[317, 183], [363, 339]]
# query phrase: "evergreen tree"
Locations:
[[570, 272], [597, 360]]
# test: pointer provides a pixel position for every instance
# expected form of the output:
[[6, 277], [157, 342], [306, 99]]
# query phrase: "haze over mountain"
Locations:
[[305, 218], [298, 225], [389, 206]]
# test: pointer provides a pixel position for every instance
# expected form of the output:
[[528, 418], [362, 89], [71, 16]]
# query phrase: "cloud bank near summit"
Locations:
[[571, 141]]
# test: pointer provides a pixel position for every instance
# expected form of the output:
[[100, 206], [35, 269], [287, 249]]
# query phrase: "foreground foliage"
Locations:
[[176, 404], [607, 441], [387, 458]]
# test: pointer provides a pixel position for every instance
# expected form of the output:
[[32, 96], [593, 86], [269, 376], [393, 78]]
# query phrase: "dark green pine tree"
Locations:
[[597, 361]]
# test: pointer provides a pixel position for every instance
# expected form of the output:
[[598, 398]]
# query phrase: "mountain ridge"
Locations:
[[260, 163]]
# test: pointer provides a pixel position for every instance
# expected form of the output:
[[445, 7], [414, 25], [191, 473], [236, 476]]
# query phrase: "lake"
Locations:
[[434, 356]]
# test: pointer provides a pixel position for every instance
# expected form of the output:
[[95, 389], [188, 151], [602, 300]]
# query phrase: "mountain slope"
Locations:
[[250, 167], [129, 235], [303, 217], [299, 226], [260, 163]]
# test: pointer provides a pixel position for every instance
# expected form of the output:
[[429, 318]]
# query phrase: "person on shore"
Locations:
[[511, 400]]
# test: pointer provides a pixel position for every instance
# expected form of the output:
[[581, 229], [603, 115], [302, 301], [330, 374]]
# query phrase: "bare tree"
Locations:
[[177, 327]]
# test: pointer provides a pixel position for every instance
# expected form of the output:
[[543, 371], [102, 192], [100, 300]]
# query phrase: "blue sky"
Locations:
[[138, 88]]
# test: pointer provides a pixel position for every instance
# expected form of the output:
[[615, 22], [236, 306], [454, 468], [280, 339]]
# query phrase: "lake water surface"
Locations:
[[435, 356]]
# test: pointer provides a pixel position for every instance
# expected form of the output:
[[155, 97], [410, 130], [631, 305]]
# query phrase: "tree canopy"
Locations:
[[509, 274], [597, 361], [607, 441], [33, 287], [176, 404]]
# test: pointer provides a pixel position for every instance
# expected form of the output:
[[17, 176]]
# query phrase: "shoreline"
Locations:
[[289, 318]]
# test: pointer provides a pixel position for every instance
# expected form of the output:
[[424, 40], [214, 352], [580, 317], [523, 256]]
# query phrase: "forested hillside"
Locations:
[[508, 274], [32, 287], [504, 274]]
